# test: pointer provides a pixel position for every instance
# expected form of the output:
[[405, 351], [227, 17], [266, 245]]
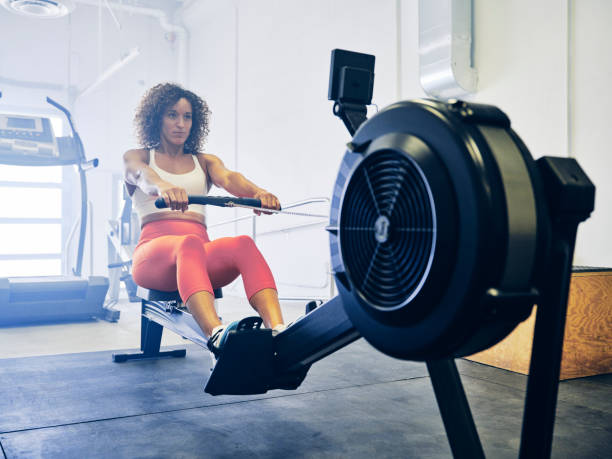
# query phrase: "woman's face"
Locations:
[[176, 122]]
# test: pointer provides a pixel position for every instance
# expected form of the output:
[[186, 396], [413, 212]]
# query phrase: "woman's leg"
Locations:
[[202, 307], [178, 262], [265, 302], [231, 256]]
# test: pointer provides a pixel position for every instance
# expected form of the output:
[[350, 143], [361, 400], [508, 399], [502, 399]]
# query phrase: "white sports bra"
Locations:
[[194, 182]]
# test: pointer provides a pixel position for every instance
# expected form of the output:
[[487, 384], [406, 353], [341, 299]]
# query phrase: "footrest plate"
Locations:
[[245, 365]]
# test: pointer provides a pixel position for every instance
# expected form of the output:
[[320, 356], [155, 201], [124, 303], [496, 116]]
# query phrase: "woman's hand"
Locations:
[[175, 196], [268, 200], [237, 184]]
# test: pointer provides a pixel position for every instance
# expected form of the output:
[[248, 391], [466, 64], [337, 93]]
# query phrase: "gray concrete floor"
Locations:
[[99, 335], [62, 397]]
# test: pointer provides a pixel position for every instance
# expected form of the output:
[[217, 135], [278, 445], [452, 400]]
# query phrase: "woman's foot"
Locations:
[[218, 337], [279, 328]]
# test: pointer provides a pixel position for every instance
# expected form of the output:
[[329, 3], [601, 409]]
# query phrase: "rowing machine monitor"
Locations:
[[351, 84]]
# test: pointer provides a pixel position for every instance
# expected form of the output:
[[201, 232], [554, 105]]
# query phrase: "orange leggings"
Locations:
[[177, 254]]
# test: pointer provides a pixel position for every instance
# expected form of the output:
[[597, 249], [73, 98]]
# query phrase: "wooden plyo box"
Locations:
[[587, 344]]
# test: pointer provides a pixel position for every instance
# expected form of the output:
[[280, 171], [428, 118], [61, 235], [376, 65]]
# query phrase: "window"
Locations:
[[31, 219]]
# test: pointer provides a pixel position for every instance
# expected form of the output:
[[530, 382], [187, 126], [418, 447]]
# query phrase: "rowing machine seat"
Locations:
[[159, 295]]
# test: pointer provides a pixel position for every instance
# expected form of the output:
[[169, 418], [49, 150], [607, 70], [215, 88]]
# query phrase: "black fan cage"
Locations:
[[387, 229]]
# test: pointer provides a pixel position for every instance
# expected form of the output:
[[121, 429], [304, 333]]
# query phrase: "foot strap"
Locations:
[[249, 323], [246, 324]]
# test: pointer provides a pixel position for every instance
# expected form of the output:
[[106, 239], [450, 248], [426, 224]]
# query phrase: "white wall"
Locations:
[[591, 120], [65, 56], [554, 90], [524, 67], [105, 115], [520, 56], [264, 67]]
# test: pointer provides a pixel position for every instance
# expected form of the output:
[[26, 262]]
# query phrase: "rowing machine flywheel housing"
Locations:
[[438, 229]]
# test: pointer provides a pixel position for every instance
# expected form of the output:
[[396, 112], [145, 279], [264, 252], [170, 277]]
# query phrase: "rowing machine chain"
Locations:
[[275, 211]]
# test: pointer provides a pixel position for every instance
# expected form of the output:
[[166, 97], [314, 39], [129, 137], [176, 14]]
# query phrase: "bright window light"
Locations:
[[19, 268], [57, 124], [32, 202], [18, 238], [51, 174]]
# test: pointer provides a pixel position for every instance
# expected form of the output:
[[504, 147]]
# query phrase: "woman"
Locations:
[[174, 251]]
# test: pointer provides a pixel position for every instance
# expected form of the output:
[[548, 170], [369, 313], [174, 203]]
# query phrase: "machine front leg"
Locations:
[[455, 410]]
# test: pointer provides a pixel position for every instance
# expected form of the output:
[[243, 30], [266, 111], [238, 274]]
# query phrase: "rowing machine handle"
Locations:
[[220, 201]]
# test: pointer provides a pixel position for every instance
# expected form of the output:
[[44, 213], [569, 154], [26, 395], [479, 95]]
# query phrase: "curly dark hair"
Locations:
[[151, 110]]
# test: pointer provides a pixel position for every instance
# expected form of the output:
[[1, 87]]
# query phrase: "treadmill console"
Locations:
[[27, 135]]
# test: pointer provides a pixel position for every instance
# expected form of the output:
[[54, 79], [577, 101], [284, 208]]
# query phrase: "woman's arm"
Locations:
[[139, 174], [236, 183]]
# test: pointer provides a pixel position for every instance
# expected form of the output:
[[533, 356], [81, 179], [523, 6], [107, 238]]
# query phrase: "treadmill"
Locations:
[[30, 141]]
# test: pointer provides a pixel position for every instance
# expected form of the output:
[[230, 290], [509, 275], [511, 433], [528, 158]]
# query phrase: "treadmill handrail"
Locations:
[[83, 165]]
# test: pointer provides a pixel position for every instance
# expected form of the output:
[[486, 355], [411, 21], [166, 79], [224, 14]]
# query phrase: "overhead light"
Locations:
[[47, 9]]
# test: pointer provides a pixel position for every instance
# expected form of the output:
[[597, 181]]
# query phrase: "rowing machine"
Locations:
[[444, 232]]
